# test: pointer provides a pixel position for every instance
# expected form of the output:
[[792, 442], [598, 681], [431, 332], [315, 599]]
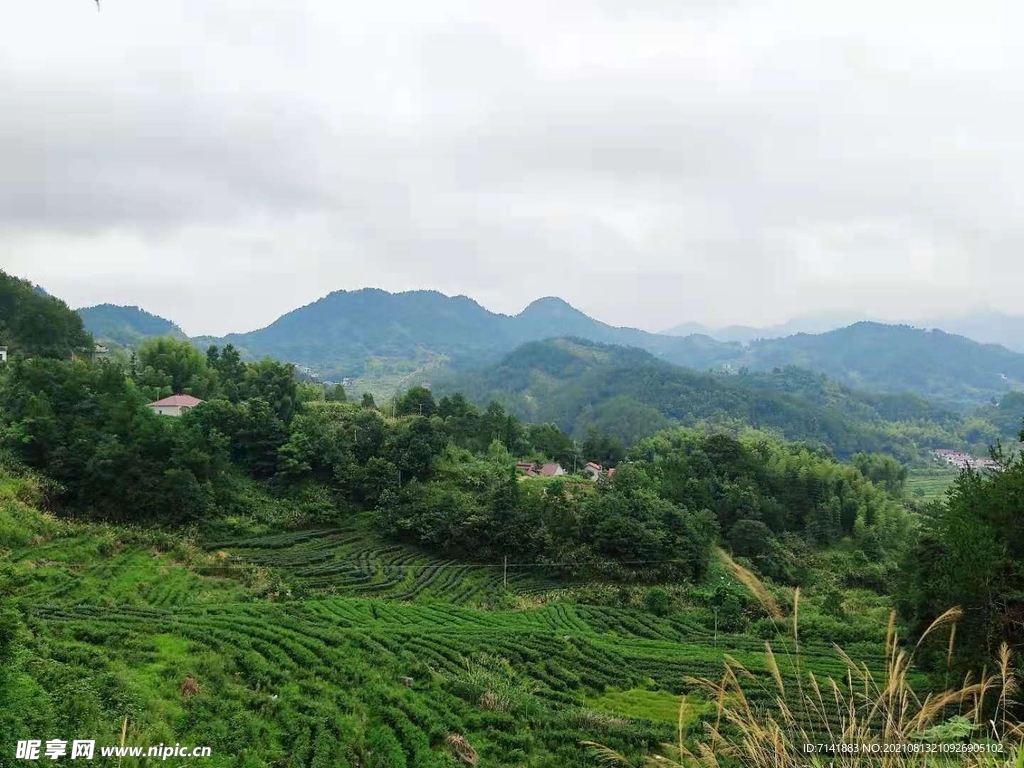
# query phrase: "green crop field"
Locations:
[[330, 647], [930, 484]]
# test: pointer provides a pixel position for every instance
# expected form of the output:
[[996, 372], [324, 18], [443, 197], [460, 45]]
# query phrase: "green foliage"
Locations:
[[657, 601], [167, 366], [476, 506], [335, 394], [230, 370], [627, 394], [417, 400], [957, 729], [604, 449], [34, 324], [126, 326], [308, 392], [760, 490], [970, 553], [884, 470], [87, 428]]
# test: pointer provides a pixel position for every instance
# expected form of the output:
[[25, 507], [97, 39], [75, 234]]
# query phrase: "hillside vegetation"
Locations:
[[34, 323], [329, 647], [888, 358], [629, 394], [126, 326]]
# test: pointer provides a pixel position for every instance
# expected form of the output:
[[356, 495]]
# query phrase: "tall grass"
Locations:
[[771, 728]]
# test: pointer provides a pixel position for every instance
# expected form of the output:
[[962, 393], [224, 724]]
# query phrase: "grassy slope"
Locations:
[[330, 648], [930, 484]]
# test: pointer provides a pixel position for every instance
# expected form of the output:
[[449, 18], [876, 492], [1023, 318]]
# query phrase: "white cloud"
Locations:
[[651, 162]]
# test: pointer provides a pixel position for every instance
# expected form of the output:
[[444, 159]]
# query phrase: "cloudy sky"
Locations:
[[651, 161]]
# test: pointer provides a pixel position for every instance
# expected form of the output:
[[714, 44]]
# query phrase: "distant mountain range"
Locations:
[[352, 333], [822, 323], [983, 325]]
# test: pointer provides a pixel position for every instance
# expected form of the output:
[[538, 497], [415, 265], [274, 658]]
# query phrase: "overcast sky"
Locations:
[[650, 161]]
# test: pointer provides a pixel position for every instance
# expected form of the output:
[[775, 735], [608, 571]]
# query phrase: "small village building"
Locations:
[[551, 470], [175, 405], [592, 470]]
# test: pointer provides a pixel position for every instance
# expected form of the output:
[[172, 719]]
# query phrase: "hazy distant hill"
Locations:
[[820, 323], [897, 358], [125, 326], [982, 325], [629, 393], [985, 326], [371, 332], [342, 332]]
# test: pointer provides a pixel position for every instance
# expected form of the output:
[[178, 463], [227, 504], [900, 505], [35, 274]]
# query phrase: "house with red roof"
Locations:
[[175, 405], [551, 470], [593, 470]]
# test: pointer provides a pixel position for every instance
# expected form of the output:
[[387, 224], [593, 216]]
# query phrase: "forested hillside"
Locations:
[[34, 323], [628, 393], [126, 326], [888, 358]]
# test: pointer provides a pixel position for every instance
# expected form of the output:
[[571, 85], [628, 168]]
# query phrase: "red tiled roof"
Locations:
[[549, 470], [595, 465], [186, 400]]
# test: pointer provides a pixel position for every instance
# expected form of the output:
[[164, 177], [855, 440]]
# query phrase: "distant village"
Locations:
[[961, 460], [591, 469], [315, 376]]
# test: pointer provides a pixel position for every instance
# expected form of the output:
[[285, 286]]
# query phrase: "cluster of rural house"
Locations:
[[962, 460], [591, 469]]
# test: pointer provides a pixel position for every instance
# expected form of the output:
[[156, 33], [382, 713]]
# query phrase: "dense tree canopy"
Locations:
[[971, 554], [629, 394], [87, 427], [33, 324]]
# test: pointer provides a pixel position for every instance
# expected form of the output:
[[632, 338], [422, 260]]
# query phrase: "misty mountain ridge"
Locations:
[[983, 325], [347, 333]]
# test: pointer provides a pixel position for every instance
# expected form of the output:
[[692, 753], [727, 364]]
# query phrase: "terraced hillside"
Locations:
[[355, 562], [331, 648]]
